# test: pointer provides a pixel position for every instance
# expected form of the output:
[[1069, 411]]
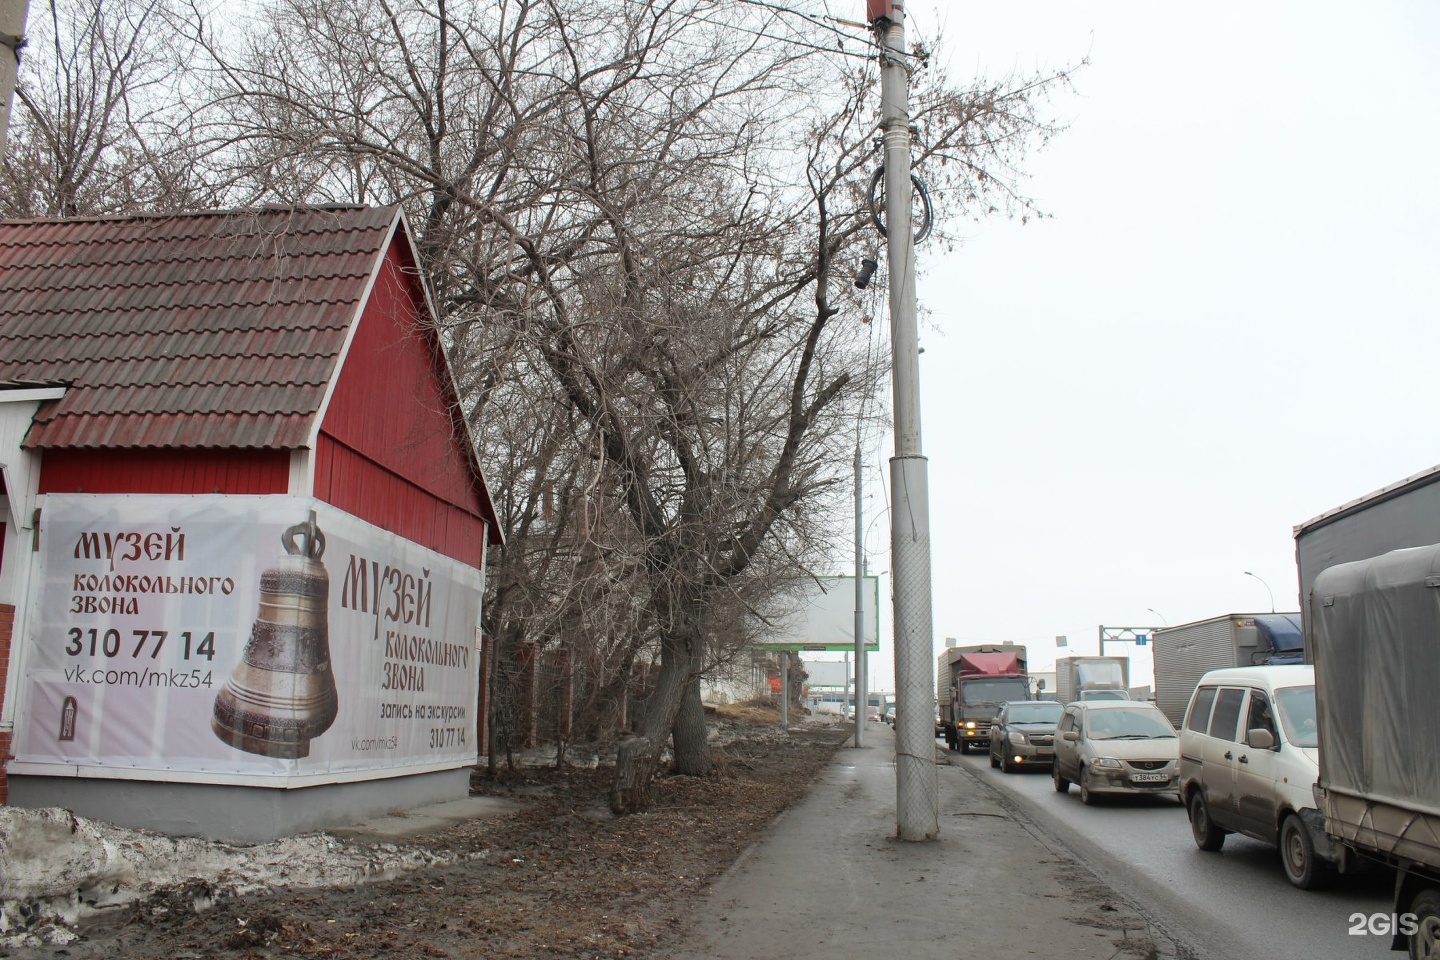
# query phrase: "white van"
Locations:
[[1249, 764]]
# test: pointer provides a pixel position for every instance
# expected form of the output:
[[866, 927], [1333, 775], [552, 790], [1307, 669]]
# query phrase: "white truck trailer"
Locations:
[[1187, 651], [1092, 678]]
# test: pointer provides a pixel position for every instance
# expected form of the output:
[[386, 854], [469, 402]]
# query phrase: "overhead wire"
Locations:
[[832, 26]]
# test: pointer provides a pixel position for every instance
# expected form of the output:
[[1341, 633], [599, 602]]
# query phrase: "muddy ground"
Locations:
[[563, 878]]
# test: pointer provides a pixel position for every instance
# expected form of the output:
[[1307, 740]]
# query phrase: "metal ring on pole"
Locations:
[[925, 224]]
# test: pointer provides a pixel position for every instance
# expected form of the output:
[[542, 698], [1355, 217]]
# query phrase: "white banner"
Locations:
[[180, 637], [820, 615]]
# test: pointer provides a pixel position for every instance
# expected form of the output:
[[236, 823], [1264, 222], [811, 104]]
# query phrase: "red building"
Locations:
[[233, 372]]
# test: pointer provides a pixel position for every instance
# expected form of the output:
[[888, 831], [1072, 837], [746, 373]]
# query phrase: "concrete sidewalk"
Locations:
[[831, 881]]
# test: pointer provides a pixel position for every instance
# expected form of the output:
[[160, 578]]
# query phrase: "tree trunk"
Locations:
[[639, 757], [692, 741], [615, 692], [634, 772]]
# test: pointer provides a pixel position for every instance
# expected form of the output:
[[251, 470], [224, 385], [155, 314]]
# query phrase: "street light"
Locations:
[[1160, 615], [1267, 589]]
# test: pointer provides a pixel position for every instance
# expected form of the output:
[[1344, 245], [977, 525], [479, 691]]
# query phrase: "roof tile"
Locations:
[[210, 329]]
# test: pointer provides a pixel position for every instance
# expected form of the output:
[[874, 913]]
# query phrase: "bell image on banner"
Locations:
[[282, 694]]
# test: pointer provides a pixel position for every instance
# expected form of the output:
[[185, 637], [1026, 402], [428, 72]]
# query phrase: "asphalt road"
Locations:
[[1233, 903]]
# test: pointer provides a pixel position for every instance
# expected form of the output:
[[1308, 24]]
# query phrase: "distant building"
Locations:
[[750, 676]]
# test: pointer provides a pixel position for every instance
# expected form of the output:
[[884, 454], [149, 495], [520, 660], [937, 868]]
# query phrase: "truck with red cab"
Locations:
[[971, 683]]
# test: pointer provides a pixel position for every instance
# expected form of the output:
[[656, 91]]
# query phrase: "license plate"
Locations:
[[1045, 752], [1149, 777]]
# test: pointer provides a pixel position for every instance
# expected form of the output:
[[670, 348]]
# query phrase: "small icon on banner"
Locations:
[[67, 718]]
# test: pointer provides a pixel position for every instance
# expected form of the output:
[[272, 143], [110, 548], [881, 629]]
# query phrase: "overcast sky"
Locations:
[[1228, 327]]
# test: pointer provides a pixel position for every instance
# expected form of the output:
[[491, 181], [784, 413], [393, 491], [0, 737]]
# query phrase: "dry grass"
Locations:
[[752, 711], [564, 878]]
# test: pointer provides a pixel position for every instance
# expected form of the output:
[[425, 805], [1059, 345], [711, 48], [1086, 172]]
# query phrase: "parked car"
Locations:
[[1115, 747], [1024, 733], [1256, 777]]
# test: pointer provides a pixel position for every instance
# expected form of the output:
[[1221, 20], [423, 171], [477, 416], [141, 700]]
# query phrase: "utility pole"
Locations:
[[860, 661], [916, 783], [13, 14], [784, 689]]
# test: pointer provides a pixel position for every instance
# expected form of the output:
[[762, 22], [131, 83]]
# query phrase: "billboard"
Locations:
[[828, 673], [820, 615], [271, 640]]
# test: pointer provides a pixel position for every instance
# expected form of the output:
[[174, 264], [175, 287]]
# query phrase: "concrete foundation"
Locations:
[[236, 814]]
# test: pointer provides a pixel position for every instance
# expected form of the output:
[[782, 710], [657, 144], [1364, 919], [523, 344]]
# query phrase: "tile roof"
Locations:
[[207, 329]]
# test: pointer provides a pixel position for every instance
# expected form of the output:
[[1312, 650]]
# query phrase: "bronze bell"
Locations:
[[282, 694]]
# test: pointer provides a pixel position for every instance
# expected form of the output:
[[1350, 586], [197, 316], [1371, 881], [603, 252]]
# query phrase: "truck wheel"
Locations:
[[1424, 943], [1061, 784], [1303, 868], [1202, 828]]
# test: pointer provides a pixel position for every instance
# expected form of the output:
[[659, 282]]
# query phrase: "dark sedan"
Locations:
[[1024, 733]]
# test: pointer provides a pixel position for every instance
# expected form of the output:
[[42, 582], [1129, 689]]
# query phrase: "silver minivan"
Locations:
[[1114, 747], [1249, 763]]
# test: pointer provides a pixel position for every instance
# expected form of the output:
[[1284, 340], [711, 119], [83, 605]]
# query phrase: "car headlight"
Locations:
[[1104, 762], [969, 724], [1017, 737]]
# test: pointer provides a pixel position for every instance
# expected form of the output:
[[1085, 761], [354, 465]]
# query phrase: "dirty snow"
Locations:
[[57, 869]]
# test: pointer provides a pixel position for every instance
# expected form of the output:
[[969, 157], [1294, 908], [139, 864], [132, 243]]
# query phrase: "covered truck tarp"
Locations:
[[1375, 630], [1004, 664]]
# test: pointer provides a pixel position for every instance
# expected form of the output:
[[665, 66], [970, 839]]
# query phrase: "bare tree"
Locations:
[[13, 14], [640, 218], [100, 124]]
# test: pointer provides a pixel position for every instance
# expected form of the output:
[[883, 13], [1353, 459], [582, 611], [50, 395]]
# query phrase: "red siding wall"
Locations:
[[357, 485], [165, 471], [389, 451]]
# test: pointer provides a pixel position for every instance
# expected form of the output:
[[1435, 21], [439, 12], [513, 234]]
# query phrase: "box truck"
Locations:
[[1092, 678], [1186, 652]]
